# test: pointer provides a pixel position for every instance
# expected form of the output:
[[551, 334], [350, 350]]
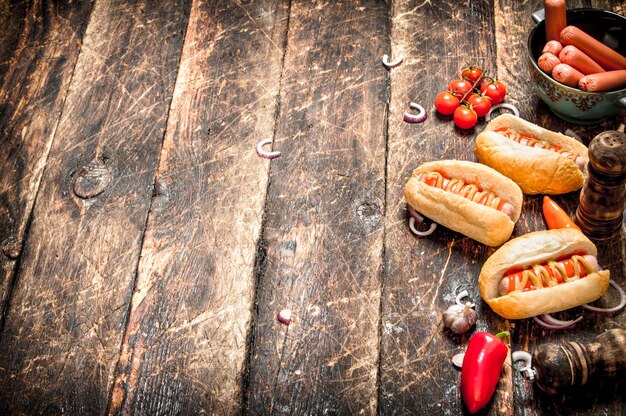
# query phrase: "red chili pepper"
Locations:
[[555, 216], [481, 369]]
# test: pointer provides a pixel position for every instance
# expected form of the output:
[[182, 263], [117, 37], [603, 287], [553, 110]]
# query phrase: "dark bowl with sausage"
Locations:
[[572, 104]]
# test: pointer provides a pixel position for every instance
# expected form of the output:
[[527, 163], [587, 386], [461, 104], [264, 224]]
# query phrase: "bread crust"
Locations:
[[481, 223], [536, 171], [536, 248]]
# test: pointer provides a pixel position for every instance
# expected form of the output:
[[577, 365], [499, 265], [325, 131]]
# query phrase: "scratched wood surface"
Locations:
[[146, 249], [422, 276], [68, 308], [39, 45], [191, 309], [322, 240]]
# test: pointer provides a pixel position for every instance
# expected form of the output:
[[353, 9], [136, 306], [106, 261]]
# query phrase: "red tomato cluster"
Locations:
[[470, 97]]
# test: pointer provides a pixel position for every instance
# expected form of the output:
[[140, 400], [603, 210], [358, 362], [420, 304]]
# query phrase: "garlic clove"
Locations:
[[460, 318]]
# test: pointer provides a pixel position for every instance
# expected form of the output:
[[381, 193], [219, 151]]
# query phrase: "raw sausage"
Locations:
[[598, 51], [579, 60], [553, 46], [567, 75], [605, 81], [555, 18], [547, 62]]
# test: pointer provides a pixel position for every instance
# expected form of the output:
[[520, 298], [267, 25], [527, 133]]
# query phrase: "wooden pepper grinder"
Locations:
[[558, 367], [601, 209]]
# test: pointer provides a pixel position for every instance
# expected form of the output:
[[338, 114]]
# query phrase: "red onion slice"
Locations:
[[617, 308], [415, 217], [462, 295], [457, 360], [414, 214], [392, 64], [546, 317], [284, 316], [502, 105], [571, 133], [418, 232], [526, 358], [550, 326], [263, 153], [420, 117], [522, 356]]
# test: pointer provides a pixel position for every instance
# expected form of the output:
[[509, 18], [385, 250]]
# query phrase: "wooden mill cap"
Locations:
[[607, 153]]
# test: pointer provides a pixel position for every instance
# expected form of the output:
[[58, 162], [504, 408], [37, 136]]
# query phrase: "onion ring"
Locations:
[[460, 296], [571, 133], [420, 117], [393, 64], [522, 356], [284, 316], [421, 233], [414, 214], [617, 308], [527, 359], [263, 153], [547, 325], [502, 105], [457, 360], [546, 317]]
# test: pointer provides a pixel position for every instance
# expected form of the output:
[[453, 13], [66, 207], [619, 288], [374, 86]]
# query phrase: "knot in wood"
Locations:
[[368, 210], [11, 248], [161, 188], [92, 180], [369, 215]]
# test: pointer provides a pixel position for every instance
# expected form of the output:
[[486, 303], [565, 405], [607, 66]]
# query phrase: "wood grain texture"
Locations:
[[185, 347], [12, 22], [39, 45], [161, 248], [64, 326], [322, 241], [423, 275], [513, 23]]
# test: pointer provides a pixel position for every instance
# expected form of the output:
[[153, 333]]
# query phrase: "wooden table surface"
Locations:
[[146, 248]]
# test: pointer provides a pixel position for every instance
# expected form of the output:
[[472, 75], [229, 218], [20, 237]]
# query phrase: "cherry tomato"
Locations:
[[471, 73], [480, 103], [494, 90], [446, 103], [465, 117], [460, 87]]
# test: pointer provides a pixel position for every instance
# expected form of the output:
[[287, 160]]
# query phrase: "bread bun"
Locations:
[[535, 170], [537, 248], [484, 224]]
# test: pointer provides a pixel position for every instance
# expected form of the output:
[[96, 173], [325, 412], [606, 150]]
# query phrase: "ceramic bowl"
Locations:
[[571, 104]]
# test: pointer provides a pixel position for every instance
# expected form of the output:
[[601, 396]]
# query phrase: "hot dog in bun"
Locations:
[[467, 197], [540, 161], [542, 272]]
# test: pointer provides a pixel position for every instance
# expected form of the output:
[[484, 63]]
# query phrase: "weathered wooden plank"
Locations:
[[39, 45], [12, 22], [322, 241], [64, 326], [423, 275], [604, 399], [185, 346]]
